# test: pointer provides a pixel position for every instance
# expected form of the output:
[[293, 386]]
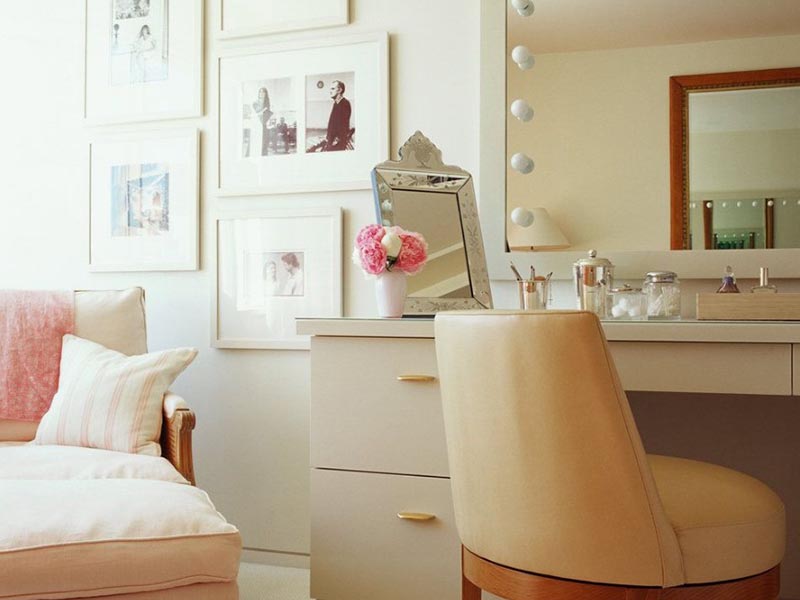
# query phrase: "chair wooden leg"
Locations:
[[469, 591]]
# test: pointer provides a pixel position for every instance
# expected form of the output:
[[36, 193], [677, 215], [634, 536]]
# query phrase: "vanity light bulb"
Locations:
[[709, 204], [724, 205], [755, 203], [522, 110], [523, 7], [771, 203], [784, 203], [523, 57], [739, 204], [522, 163], [522, 216]]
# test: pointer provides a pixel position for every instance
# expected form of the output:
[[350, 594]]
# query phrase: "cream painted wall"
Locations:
[[600, 137], [251, 442]]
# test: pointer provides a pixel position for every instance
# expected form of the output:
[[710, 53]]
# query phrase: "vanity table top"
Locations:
[[687, 330]]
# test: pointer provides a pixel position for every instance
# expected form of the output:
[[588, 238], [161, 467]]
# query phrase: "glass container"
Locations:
[[663, 292], [627, 303]]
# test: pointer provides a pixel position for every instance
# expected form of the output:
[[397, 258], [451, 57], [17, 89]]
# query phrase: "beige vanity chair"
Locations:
[[554, 495], [116, 319]]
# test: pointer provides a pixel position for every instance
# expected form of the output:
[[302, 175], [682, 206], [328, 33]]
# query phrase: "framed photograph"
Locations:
[[143, 195], [240, 18], [303, 116], [143, 61], [272, 267]]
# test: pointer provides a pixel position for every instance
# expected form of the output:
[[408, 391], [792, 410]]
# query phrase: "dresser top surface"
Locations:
[[753, 332]]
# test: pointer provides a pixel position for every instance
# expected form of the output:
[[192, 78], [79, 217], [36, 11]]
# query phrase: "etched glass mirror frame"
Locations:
[[421, 169]]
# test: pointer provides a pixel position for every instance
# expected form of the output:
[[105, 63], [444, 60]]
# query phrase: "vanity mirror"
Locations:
[[600, 133], [735, 160], [420, 193]]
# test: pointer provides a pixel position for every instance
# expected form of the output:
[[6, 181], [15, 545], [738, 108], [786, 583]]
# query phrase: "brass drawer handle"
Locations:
[[412, 516], [420, 378]]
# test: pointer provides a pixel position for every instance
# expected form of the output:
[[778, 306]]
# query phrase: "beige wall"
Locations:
[[252, 434], [600, 137]]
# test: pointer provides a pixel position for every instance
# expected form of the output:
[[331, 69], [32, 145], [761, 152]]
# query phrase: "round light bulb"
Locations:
[[739, 204], [709, 205], [783, 203], [523, 57], [770, 203], [522, 216], [724, 205], [522, 163], [755, 203], [523, 7], [522, 110]]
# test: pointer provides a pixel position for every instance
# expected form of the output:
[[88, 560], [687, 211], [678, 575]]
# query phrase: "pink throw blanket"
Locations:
[[32, 324]]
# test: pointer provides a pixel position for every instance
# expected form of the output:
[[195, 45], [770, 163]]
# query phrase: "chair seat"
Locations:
[[729, 525]]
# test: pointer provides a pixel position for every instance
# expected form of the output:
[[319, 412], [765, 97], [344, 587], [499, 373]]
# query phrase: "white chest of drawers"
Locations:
[[378, 446], [378, 453]]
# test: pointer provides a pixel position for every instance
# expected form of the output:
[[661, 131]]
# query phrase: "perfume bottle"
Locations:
[[728, 282], [764, 286]]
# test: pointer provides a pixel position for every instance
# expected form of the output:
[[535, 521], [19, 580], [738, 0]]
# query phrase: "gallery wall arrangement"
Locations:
[[301, 116]]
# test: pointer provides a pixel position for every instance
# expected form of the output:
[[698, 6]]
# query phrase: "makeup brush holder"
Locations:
[[534, 294]]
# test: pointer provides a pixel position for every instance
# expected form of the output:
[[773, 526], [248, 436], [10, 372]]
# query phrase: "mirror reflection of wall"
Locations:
[[436, 217], [599, 89], [744, 166]]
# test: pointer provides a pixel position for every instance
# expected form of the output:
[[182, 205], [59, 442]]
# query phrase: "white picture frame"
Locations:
[[143, 201], [143, 60], [272, 266], [293, 86], [239, 18]]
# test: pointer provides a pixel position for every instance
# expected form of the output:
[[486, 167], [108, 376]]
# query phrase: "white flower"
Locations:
[[392, 242]]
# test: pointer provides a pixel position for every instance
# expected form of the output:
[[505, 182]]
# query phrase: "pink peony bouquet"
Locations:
[[378, 249]]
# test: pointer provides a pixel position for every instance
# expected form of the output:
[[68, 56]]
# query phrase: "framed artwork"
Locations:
[[272, 267], [143, 196], [241, 18], [303, 116], [143, 60]]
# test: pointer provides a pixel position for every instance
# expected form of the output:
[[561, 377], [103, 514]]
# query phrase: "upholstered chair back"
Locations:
[[115, 319], [548, 470]]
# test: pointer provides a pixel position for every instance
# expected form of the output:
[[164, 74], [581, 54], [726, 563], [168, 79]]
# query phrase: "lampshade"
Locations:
[[542, 234]]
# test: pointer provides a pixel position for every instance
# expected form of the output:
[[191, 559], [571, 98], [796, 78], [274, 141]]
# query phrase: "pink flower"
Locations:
[[413, 254], [372, 256]]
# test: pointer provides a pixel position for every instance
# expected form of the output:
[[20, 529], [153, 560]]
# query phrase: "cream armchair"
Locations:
[[116, 319], [554, 495]]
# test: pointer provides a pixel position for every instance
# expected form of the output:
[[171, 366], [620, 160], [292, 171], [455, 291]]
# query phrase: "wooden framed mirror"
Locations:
[[735, 160]]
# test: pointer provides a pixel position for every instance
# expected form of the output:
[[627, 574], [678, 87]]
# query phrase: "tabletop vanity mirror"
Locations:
[[600, 136], [420, 193]]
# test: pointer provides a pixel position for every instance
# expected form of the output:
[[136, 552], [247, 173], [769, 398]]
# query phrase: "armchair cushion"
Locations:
[[108, 400], [29, 461], [122, 535]]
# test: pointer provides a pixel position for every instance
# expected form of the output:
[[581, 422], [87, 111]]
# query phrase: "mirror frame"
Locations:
[[421, 168], [680, 86]]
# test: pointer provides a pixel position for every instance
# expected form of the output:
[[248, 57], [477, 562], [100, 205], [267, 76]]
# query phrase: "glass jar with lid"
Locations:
[[663, 292], [627, 303]]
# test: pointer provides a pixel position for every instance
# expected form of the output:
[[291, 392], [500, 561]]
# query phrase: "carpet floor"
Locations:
[[264, 582]]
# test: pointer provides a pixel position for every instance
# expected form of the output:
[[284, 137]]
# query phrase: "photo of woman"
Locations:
[[269, 121]]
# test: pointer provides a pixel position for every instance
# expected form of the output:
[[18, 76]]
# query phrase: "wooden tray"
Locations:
[[748, 307]]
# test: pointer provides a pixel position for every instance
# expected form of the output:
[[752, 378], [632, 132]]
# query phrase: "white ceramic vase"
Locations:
[[390, 291]]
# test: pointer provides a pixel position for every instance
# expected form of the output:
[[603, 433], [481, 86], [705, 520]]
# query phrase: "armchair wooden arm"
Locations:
[[176, 435]]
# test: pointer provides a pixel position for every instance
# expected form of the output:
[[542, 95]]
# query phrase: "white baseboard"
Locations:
[[278, 559]]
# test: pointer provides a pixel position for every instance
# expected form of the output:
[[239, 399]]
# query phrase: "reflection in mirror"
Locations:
[[420, 193], [436, 216], [735, 140]]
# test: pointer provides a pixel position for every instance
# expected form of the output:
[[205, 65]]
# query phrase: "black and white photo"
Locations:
[[269, 117], [330, 118], [282, 273]]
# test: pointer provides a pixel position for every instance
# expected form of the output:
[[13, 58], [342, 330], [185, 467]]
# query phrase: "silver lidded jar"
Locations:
[[593, 278], [663, 291]]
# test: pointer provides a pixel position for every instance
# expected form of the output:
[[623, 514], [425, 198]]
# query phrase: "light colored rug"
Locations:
[[264, 582]]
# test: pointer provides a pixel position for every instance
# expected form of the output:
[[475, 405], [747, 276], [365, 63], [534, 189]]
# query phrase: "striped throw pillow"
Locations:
[[108, 400]]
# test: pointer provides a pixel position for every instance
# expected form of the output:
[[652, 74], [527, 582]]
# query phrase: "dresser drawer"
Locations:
[[363, 418], [361, 549], [713, 368]]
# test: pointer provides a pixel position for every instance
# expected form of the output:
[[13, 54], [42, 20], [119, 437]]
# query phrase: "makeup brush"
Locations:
[[514, 269]]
